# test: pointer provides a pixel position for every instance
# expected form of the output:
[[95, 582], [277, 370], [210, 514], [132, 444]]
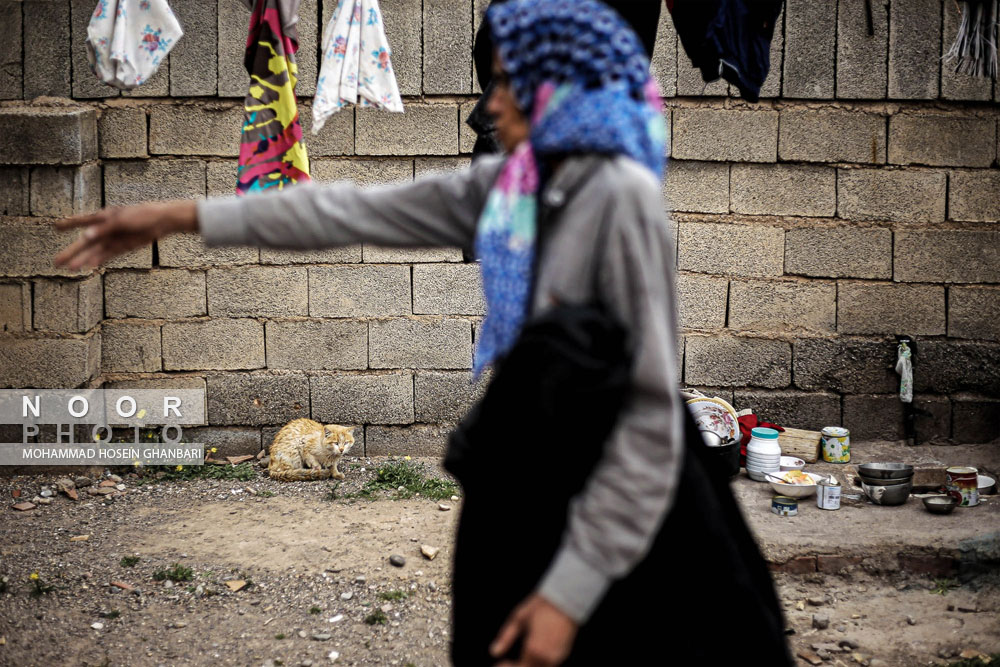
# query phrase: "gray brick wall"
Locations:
[[856, 201]]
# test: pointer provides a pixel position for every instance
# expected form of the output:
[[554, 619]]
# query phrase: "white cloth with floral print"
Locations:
[[127, 40], [356, 65]]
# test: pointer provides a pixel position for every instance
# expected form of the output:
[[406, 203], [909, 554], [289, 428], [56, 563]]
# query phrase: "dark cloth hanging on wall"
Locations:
[[728, 38], [642, 15]]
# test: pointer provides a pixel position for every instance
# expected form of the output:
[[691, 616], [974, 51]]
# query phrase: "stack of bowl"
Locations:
[[886, 483]]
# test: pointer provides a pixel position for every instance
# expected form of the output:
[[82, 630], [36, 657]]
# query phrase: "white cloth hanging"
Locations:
[[904, 366], [127, 40], [356, 65]]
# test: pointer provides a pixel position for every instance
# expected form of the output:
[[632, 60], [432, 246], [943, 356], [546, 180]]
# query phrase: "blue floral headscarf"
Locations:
[[580, 73]]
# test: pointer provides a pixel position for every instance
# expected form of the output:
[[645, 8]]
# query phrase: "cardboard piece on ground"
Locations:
[[235, 460], [236, 585]]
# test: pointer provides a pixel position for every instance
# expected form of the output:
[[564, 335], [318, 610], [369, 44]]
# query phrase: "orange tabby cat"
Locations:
[[305, 449]]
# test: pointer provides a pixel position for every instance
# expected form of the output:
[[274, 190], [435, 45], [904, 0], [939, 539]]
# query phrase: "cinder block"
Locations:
[[772, 84], [691, 83], [234, 18], [425, 129], [972, 196], [729, 361], [942, 140], [948, 256], [448, 289], [359, 291], [759, 305], [861, 58], [955, 86], [14, 191], [914, 58], [404, 343], [846, 365], [897, 195], [140, 258], [699, 187], [447, 47], [403, 27], [122, 133], [779, 189], [974, 312], [195, 130], [874, 308], [63, 191], [157, 85], [663, 64], [336, 137], [15, 307], [726, 135], [742, 250], [166, 293], [374, 254], [188, 250], [166, 382], [226, 440], [935, 425], [428, 440], [86, 85], [363, 173], [47, 43], [445, 396], [11, 54], [975, 419], [701, 301], [220, 177], [27, 246], [874, 417], [810, 39], [951, 366], [52, 363], [385, 398], [317, 345], [219, 344], [835, 135], [466, 135], [439, 165], [48, 135], [839, 252], [137, 182], [792, 409], [130, 346], [193, 61], [343, 255], [258, 291], [68, 305], [254, 399], [306, 58]]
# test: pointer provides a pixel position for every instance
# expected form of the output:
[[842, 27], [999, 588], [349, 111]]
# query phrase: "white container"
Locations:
[[828, 494], [763, 453]]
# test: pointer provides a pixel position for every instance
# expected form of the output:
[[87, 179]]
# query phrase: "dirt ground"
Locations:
[[317, 568]]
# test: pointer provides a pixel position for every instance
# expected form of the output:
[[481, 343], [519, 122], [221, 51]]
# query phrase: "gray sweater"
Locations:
[[614, 519]]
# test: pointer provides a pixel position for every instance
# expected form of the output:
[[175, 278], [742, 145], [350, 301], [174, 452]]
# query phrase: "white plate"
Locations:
[[715, 415]]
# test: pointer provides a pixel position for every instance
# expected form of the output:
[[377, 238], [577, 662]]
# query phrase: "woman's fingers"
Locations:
[[81, 220], [70, 252]]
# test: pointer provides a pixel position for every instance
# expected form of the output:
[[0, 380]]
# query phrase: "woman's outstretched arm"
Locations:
[[437, 210]]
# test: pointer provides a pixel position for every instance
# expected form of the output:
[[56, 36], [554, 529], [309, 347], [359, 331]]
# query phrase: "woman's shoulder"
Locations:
[[622, 179]]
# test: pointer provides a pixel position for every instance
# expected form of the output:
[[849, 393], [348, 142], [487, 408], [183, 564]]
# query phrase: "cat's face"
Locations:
[[339, 439]]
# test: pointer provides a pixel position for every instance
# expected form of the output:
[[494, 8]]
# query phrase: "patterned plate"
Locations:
[[715, 415]]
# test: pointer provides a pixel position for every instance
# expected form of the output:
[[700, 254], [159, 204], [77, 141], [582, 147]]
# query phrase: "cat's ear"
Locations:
[[326, 431]]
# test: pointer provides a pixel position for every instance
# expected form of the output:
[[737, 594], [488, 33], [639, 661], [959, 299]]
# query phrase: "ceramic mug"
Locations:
[[963, 485]]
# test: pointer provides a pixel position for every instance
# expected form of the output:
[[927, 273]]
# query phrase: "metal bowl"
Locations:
[[886, 470], [940, 504], [896, 494], [874, 481]]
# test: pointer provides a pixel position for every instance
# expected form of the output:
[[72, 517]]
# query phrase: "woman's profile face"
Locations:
[[512, 125]]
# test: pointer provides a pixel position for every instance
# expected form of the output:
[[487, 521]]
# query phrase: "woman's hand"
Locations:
[[548, 634], [113, 231]]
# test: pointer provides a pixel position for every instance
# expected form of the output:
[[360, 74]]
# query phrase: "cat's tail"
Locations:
[[300, 474]]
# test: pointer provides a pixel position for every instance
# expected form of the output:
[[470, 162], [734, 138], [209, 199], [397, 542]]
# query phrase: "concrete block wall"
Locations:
[[859, 199]]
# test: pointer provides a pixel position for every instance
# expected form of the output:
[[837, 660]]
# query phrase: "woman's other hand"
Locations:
[[548, 634], [113, 231]]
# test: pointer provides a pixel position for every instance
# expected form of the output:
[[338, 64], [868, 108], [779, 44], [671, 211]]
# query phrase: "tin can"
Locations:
[[784, 506], [963, 485], [836, 442], [828, 494]]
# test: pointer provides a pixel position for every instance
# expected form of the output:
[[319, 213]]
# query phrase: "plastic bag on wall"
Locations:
[[128, 39]]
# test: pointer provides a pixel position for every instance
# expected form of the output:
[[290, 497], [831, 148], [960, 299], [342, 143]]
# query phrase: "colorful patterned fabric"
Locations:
[[128, 39], [581, 75], [272, 153], [356, 63]]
